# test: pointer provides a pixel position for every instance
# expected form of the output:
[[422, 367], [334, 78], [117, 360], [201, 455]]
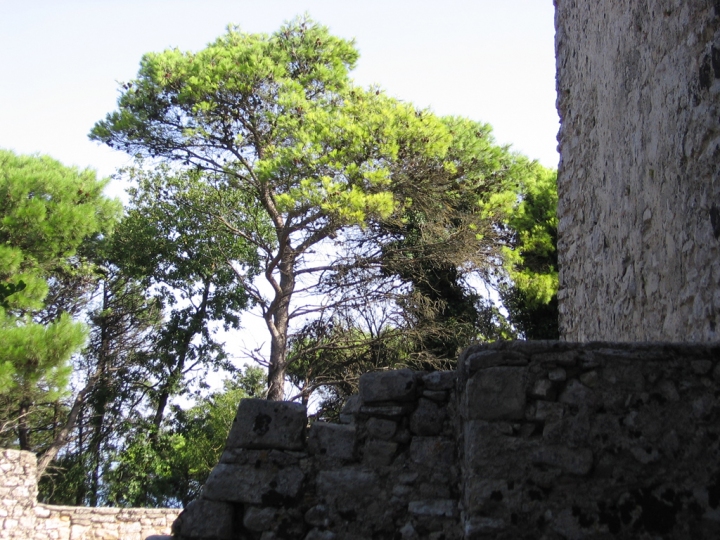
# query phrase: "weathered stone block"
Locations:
[[434, 507], [427, 419], [259, 519], [332, 440], [317, 534], [440, 380], [380, 386], [576, 393], [432, 451], [496, 393], [379, 453], [206, 519], [252, 485], [574, 461], [544, 389], [438, 396], [491, 358], [318, 516], [391, 411], [560, 358], [482, 527], [381, 428], [260, 423], [350, 409], [347, 489]]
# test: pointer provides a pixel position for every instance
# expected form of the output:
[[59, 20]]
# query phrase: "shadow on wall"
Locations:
[[525, 440]]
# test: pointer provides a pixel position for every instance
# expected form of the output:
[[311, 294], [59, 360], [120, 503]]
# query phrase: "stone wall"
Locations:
[[639, 183], [18, 494], [22, 517], [537, 440]]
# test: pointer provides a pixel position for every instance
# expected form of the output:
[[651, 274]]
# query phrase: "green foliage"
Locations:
[[445, 234], [48, 212], [170, 242], [169, 469], [276, 120], [530, 257]]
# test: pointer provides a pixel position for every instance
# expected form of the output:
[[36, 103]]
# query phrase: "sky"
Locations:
[[62, 61]]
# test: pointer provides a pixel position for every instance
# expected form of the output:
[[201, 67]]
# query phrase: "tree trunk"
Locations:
[[277, 319], [62, 435], [23, 430]]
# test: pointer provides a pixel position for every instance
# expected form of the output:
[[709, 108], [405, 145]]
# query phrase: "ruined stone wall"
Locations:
[[533, 440], [22, 517], [18, 494], [639, 182]]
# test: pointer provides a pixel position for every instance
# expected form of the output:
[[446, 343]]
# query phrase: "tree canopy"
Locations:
[[275, 120], [47, 212], [359, 225]]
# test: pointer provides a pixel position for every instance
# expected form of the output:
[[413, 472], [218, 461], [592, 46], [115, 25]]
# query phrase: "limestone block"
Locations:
[[576, 393], [379, 453], [332, 440], [487, 358], [348, 489], [440, 380], [544, 389], [496, 393], [260, 423], [480, 527], [432, 451], [381, 428], [574, 461], [398, 385], [427, 419], [317, 534], [205, 519], [318, 516], [259, 519], [433, 507], [350, 409], [391, 411], [253, 485]]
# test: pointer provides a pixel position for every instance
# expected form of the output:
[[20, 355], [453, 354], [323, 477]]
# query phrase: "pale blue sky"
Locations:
[[490, 60]]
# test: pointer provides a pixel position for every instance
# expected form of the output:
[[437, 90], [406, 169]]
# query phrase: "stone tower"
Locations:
[[639, 178]]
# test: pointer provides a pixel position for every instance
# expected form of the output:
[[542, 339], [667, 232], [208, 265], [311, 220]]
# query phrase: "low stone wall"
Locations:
[[533, 440], [22, 517], [85, 523]]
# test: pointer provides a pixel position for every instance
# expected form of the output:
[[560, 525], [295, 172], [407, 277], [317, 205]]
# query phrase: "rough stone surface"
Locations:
[[253, 484], [207, 519], [332, 440], [268, 424], [628, 448], [496, 393], [390, 466], [382, 386], [639, 185], [564, 440]]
